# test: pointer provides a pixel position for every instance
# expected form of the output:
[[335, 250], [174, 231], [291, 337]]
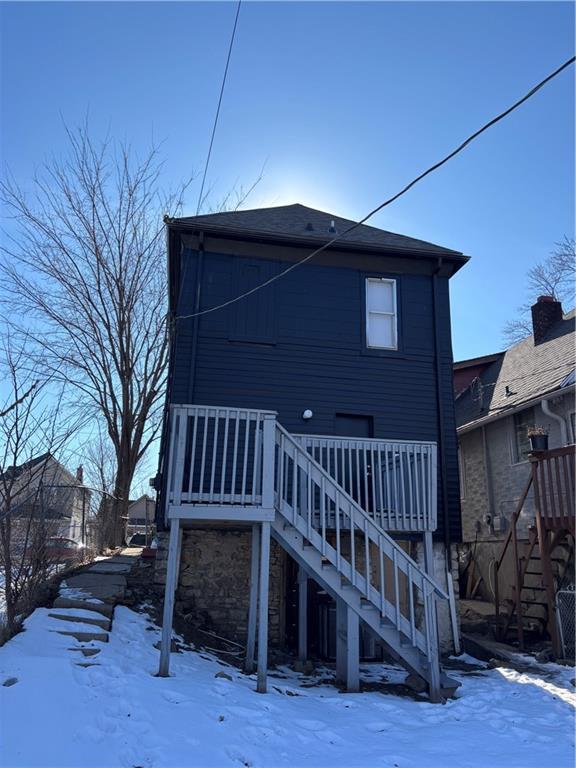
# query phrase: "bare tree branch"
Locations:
[[555, 276], [85, 268]]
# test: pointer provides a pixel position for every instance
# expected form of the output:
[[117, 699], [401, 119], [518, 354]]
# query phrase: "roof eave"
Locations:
[[458, 258], [491, 417]]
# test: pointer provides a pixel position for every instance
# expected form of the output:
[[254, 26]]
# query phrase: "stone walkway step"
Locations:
[[97, 621], [109, 567], [87, 637], [86, 651], [105, 609], [87, 599]]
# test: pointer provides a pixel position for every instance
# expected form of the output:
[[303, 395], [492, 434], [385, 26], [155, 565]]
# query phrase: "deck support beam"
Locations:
[[428, 553], [253, 608], [302, 615], [174, 548], [263, 607], [347, 647]]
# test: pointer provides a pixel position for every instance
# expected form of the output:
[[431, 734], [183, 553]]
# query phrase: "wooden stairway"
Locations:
[[544, 563]]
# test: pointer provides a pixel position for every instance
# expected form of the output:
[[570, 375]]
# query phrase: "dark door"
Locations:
[[353, 425]]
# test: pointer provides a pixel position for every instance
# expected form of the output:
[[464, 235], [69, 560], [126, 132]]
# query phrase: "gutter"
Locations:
[[440, 412], [563, 431]]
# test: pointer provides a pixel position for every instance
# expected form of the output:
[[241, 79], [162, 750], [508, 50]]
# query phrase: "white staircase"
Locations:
[[240, 465], [356, 561]]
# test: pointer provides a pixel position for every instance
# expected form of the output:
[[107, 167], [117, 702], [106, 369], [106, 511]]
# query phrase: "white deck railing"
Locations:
[[217, 456], [394, 481], [227, 456]]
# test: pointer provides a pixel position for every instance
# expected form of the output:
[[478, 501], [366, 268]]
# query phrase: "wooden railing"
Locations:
[[362, 552], [221, 456], [553, 479], [393, 480]]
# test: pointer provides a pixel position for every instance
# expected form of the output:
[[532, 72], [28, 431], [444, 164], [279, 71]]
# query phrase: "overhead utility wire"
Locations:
[[219, 105], [354, 226]]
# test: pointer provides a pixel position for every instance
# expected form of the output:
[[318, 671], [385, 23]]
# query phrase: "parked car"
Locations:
[[137, 540], [62, 550]]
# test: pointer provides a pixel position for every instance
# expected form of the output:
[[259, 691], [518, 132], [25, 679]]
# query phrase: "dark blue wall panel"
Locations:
[[311, 354]]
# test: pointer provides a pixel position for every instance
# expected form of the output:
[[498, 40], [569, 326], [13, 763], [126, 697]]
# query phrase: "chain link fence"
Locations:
[[566, 611]]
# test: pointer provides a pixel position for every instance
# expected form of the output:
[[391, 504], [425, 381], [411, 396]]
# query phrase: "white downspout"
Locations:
[[563, 431]]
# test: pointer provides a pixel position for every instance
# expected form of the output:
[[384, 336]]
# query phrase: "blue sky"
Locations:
[[345, 102]]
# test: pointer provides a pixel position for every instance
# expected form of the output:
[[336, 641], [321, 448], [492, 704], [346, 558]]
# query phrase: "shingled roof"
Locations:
[[520, 375], [300, 223]]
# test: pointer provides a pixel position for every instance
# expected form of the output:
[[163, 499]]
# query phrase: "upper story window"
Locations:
[[521, 442], [381, 314]]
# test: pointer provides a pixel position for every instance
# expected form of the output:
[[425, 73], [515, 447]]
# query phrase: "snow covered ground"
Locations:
[[117, 713]]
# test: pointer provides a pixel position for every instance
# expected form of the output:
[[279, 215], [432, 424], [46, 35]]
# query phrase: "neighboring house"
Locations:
[[498, 399], [318, 404], [42, 489], [141, 515]]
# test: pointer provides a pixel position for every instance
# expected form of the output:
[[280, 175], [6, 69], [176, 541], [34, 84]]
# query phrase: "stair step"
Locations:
[[367, 604], [534, 602]]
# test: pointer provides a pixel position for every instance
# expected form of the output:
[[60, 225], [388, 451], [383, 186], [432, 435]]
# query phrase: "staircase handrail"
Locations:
[[368, 521]]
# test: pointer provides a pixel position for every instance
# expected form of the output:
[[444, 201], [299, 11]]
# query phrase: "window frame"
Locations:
[[515, 457], [395, 314]]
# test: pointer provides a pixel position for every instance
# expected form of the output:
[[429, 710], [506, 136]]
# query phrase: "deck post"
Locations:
[[263, 607], [302, 615], [428, 553], [174, 547], [352, 651], [341, 621], [252, 610]]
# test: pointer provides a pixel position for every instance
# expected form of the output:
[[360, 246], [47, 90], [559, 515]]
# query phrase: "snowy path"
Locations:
[[116, 713]]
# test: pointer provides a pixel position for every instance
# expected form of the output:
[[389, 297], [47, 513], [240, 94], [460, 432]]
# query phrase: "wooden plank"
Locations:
[[230, 512]]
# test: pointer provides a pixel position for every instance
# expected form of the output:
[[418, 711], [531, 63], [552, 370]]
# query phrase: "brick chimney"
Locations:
[[545, 313], [80, 474]]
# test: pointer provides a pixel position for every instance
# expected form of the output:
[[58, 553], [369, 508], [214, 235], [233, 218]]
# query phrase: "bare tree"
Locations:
[[555, 276], [86, 268], [31, 494], [100, 473]]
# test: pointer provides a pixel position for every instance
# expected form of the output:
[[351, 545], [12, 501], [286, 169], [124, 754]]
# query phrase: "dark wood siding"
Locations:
[[312, 355]]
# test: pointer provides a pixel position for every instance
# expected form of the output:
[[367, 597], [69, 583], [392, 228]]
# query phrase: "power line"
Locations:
[[219, 105], [390, 200]]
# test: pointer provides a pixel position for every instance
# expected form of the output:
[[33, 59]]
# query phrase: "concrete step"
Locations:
[[96, 621], [74, 602]]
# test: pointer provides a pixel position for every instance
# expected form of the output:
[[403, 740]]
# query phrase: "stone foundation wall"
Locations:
[[214, 582]]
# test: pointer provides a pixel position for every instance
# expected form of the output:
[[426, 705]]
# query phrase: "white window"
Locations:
[[381, 325]]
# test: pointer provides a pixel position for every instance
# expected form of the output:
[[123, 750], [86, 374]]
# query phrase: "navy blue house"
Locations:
[[330, 385]]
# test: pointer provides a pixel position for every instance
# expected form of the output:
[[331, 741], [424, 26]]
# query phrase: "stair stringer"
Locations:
[[311, 559]]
